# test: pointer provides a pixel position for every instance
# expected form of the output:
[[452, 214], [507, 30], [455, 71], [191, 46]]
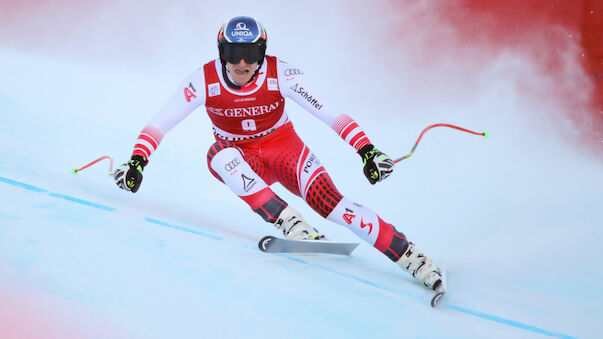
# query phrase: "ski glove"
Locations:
[[129, 175], [377, 165]]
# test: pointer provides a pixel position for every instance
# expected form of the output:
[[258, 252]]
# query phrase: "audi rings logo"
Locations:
[[293, 71], [231, 165], [241, 26]]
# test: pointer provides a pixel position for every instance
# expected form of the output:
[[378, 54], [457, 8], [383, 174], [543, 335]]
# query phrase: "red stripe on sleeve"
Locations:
[[356, 138], [153, 132], [139, 148], [149, 139], [362, 143], [150, 134], [140, 152], [340, 122], [348, 130], [344, 125]]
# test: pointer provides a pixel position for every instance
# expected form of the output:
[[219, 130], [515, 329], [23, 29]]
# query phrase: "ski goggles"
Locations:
[[233, 53]]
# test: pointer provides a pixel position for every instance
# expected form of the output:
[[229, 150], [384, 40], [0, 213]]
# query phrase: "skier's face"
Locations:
[[242, 72]]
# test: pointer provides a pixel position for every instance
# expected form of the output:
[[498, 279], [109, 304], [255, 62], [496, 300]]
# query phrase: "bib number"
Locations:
[[248, 125]]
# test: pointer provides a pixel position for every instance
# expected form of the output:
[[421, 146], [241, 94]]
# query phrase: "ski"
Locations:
[[441, 290], [270, 244]]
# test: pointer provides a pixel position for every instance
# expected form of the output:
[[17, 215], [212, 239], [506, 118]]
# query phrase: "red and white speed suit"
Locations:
[[256, 145]]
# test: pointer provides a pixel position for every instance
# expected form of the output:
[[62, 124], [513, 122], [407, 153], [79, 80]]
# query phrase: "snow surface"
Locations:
[[516, 216]]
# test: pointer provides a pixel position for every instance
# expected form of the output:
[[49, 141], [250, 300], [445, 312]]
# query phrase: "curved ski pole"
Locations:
[[76, 170], [485, 134]]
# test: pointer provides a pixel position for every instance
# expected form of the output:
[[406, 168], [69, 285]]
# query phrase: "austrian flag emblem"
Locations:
[[213, 89]]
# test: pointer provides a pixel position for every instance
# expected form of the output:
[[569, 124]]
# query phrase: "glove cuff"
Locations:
[[138, 162], [365, 149]]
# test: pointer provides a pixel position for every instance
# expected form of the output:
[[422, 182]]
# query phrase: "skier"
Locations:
[[256, 145]]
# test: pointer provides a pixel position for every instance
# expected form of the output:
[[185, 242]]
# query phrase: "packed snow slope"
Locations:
[[516, 217]]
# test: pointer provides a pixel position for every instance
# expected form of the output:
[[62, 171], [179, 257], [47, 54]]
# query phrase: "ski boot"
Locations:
[[420, 267], [294, 227]]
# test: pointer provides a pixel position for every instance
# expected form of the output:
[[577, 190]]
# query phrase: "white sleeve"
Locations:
[[189, 96], [293, 84]]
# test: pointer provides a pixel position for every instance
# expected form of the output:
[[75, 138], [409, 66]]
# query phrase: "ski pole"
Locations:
[[485, 134], [76, 170]]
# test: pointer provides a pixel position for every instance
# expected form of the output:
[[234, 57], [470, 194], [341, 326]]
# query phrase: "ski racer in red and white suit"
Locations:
[[251, 126], [256, 146]]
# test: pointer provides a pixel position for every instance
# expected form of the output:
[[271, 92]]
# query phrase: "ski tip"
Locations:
[[264, 243], [436, 298]]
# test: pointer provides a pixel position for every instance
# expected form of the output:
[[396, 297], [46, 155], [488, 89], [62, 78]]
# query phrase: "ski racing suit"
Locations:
[[256, 145]]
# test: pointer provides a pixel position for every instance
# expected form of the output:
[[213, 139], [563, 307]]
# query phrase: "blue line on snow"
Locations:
[[56, 195], [180, 228], [289, 257], [364, 281], [452, 307], [22, 185], [83, 202], [7, 102], [361, 280], [508, 322], [99, 206]]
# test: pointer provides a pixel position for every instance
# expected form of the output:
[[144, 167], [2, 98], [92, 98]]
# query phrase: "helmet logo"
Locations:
[[241, 30], [241, 26]]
